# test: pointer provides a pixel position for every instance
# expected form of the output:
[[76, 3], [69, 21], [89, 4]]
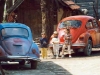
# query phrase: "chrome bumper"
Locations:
[[19, 58], [75, 44], [78, 44]]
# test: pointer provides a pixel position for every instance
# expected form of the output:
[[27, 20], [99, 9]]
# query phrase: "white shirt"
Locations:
[[55, 41]]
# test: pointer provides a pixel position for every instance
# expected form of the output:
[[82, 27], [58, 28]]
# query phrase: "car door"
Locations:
[[94, 32], [97, 29]]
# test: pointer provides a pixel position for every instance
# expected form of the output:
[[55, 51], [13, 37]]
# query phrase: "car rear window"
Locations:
[[15, 32], [71, 23]]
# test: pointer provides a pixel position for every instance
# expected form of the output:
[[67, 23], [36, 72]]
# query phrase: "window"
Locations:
[[89, 25], [14, 32], [95, 23], [71, 23]]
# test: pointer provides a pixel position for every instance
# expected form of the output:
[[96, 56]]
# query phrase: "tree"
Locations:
[[43, 12], [7, 5], [4, 12], [2, 3]]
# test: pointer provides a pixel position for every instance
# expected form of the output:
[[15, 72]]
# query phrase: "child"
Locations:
[[55, 42], [67, 43], [43, 44], [51, 45]]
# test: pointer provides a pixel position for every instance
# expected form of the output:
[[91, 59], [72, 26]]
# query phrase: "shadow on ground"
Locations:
[[44, 68], [58, 70]]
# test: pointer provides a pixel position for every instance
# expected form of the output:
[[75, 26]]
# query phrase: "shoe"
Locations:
[[45, 57], [57, 57], [54, 57], [70, 56], [62, 56], [42, 58]]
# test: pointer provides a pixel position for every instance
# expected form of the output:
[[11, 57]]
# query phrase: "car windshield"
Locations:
[[71, 23], [14, 32]]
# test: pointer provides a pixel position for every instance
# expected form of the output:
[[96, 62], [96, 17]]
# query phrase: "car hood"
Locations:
[[75, 32], [16, 46]]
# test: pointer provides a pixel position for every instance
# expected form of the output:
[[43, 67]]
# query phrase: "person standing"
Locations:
[[43, 45], [67, 42], [55, 41], [51, 45]]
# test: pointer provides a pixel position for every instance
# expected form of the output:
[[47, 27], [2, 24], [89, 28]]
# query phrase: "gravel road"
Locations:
[[77, 65]]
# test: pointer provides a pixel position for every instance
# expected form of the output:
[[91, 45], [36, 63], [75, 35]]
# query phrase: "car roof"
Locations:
[[78, 17], [5, 25]]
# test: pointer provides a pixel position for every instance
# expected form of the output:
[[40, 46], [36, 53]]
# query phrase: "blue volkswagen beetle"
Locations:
[[16, 44]]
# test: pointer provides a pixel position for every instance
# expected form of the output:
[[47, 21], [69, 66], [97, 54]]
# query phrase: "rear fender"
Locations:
[[34, 51], [84, 38], [2, 51]]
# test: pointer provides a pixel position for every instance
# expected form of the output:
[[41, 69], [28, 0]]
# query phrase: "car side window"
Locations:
[[95, 23], [89, 25]]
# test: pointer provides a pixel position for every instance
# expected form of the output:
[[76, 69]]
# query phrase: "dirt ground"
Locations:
[[77, 65]]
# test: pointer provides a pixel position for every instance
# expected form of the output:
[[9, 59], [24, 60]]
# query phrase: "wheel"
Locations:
[[88, 48], [22, 62], [33, 64]]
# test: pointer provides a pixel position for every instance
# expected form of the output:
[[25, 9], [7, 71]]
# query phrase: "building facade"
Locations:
[[29, 13]]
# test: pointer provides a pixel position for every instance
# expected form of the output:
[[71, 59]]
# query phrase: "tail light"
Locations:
[[34, 52], [81, 38]]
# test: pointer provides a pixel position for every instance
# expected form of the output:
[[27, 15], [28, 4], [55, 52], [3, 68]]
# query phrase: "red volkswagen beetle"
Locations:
[[85, 32]]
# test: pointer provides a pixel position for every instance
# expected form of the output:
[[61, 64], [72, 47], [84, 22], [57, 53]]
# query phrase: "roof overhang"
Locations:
[[71, 4]]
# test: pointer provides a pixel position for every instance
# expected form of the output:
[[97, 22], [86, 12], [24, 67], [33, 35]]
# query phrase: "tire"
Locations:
[[88, 48], [22, 62], [33, 64]]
